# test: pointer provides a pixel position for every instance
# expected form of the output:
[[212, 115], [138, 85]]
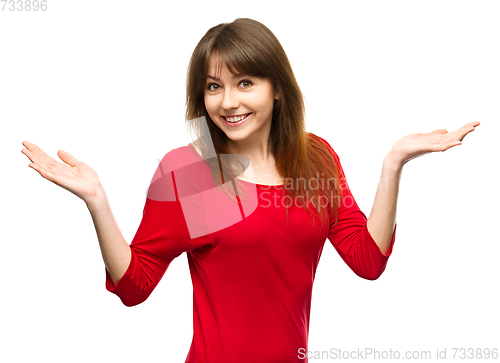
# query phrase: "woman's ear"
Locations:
[[277, 94]]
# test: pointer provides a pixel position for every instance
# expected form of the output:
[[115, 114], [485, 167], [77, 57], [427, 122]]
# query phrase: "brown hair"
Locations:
[[248, 47]]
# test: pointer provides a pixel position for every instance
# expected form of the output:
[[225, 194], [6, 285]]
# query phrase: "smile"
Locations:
[[235, 120]]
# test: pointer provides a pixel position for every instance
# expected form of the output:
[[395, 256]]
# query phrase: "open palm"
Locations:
[[76, 177], [415, 145]]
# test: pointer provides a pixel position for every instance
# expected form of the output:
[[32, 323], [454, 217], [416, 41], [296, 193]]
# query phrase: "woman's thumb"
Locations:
[[67, 158]]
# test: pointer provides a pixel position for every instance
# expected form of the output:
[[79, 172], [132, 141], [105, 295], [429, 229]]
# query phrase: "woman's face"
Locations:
[[241, 106]]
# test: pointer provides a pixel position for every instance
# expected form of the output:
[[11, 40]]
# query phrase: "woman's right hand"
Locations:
[[76, 177]]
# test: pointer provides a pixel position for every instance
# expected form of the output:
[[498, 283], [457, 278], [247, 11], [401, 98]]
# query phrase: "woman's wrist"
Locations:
[[99, 199], [393, 162]]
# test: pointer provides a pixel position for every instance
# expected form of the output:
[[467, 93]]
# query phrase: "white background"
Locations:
[[105, 81]]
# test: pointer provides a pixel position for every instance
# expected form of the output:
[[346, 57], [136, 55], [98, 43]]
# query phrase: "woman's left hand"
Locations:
[[415, 145]]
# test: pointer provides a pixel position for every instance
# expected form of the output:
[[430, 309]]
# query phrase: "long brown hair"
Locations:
[[248, 47]]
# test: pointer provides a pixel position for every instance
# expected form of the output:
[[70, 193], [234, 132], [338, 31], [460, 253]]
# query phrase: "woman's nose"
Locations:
[[230, 100]]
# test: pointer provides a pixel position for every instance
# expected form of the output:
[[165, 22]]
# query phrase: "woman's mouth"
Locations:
[[235, 120]]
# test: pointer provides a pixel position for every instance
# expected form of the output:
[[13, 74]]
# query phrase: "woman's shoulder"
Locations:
[[312, 136], [179, 157], [320, 141], [182, 166]]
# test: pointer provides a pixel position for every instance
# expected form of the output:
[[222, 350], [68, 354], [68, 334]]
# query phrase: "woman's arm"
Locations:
[[114, 249], [382, 219]]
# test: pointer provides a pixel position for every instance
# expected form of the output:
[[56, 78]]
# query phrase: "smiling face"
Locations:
[[240, 105]]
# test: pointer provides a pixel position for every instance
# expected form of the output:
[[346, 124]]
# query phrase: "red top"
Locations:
[[253, 276]]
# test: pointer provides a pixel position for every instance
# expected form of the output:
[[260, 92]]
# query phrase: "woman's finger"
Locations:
[[29, 152], [36, 163], [464, 132], [439, 131], [39, 154], [30, 155], [67, 158], [44, 173], [40, 161], [460, 133]]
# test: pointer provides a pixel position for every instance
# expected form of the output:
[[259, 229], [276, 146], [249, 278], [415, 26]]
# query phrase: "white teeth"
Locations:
[[235, 119]]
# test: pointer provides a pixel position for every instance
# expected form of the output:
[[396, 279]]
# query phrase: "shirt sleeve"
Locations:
[[350, 235], [162, 235]]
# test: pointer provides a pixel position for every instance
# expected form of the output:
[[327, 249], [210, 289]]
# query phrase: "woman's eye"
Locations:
[[246, 84], [216, 87]]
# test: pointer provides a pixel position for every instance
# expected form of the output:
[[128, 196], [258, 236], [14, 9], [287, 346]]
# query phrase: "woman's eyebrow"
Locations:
[[234, 76]]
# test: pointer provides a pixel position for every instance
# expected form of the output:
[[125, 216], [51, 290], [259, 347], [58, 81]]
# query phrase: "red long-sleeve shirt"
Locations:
[[252, 278]]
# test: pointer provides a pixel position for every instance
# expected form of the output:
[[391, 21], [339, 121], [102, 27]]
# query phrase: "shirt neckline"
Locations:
[[245, 181]]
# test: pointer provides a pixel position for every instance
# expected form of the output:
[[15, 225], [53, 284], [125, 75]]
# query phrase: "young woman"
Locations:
[[252, 255]]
